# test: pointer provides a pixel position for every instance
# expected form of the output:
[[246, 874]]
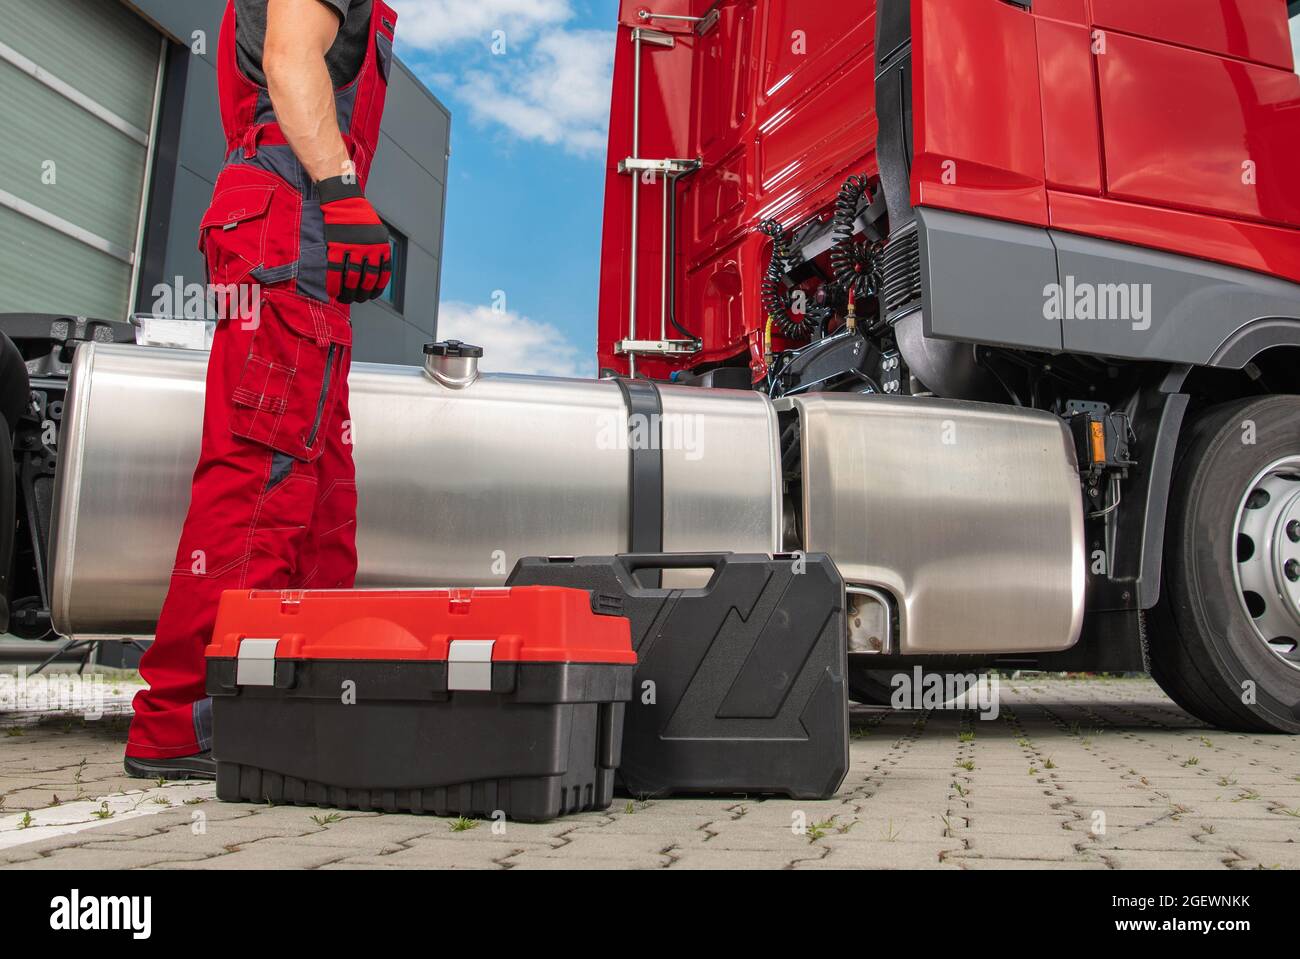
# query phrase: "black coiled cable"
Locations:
[[852, 263], [776, 299]]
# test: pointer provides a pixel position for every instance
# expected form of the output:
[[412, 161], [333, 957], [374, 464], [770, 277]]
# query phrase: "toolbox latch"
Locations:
[[256, 664], [469, 665]]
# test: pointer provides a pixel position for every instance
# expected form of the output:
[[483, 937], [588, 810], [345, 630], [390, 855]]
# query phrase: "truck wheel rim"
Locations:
[[1267, 568]]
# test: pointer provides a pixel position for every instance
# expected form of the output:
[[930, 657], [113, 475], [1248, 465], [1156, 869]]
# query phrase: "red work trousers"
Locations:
[[273, 504]]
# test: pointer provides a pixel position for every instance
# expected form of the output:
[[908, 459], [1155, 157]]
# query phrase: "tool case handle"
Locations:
[[627, 565], [632, 562], [611, 579]]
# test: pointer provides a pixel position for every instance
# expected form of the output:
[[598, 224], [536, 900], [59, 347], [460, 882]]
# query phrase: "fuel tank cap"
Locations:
[[453, 348], [452, 363]]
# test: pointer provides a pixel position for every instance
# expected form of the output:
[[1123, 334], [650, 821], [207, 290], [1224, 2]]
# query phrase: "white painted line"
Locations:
[[80, 815], [35, 701]]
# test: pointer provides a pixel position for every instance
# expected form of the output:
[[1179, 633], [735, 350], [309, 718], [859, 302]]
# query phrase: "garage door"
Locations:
[[80, 78]]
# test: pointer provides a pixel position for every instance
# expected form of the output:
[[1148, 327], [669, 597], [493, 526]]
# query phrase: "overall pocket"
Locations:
[[384, 54], [252, 228], [289, 387]]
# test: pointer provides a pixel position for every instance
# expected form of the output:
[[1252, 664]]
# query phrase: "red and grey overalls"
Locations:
[[274, 499]]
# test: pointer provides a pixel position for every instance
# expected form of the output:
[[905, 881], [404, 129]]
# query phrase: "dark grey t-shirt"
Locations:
[[344, 58]]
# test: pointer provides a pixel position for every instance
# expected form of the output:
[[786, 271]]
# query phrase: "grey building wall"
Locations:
[[408, 182]]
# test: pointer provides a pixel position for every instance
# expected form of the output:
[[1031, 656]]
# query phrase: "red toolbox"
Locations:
[[452, 702]]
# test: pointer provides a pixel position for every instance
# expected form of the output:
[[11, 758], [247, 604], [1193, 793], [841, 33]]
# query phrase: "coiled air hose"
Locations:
[[853, 264], [776, 299]]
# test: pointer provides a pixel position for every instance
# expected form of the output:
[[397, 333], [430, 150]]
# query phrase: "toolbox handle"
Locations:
[[630, 563], [635, 561]]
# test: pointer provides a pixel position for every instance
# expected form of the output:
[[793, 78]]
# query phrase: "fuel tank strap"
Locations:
[[646, 470]]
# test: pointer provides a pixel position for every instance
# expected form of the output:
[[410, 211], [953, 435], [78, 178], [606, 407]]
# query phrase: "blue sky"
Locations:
[[528, 84]]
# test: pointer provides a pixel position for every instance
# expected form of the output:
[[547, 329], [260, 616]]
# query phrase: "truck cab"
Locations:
[[1082, 208]]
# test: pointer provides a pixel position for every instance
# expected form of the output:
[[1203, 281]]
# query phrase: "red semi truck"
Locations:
[[996, 302], [1089, 208]]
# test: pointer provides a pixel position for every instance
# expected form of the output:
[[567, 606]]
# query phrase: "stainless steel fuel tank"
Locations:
[[970, 515], [455, 484]]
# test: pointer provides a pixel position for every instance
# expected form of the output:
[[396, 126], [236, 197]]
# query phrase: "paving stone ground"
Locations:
[[1076, 774]]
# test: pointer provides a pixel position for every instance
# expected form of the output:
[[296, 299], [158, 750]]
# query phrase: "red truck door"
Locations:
[[1200, 106]]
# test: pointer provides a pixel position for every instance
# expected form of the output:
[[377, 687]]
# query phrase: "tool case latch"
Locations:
[[256, 663], [469, 665]]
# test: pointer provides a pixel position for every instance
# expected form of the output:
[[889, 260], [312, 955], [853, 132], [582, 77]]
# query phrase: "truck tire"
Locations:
[[1223, 638], [8, 517]]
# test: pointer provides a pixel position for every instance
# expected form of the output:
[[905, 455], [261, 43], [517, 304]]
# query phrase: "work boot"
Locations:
[[198, 766]]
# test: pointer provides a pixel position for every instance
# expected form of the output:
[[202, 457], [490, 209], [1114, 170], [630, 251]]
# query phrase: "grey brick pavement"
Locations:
[[1096, 774]]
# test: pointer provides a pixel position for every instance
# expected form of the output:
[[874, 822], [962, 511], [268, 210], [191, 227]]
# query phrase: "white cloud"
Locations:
[[560, 97], [550, 84], [1295, 40], [435, 24], [513, 343]]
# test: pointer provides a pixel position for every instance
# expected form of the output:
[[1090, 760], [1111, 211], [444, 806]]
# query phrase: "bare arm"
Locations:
[[298, 35]]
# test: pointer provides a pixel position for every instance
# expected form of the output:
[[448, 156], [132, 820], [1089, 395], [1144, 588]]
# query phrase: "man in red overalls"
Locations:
[[290, 241]]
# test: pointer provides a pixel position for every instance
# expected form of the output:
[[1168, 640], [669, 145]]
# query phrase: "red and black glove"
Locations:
[[360, 256]]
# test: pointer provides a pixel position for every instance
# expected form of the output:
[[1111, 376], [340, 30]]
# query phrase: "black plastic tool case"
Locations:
[[447, 702], [740, 685]]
